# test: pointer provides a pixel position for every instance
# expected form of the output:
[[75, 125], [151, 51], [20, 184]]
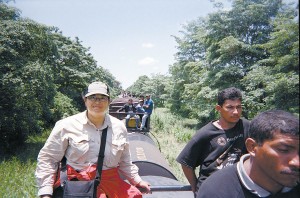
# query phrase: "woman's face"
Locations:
[[97, 104]]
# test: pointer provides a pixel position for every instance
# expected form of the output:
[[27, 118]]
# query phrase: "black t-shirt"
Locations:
[[226, 184], [212, 148], [128, 108]]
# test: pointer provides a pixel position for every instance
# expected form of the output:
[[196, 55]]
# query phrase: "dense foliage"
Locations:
[[157, 86], [42, 76], [254, 46]]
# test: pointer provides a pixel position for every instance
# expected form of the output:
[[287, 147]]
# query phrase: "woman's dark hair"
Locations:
[[264, 125]]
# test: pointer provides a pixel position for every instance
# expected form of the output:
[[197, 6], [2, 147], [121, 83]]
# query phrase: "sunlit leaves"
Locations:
[[254, 46], [42, 75]]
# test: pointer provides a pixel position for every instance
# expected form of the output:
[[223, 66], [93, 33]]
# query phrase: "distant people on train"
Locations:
[[140, 107], [219, 143], [142, 97], [130, 110], [123, 93], [148, 106]]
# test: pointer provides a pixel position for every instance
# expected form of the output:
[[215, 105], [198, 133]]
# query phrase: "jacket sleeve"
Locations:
[[48, 160], [127, 168]]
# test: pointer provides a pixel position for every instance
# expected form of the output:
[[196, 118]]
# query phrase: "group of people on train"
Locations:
[[235, 157], [140, 112]]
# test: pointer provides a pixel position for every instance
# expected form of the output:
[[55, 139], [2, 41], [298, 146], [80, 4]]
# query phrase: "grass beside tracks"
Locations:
[[17, 172], [172, 133]]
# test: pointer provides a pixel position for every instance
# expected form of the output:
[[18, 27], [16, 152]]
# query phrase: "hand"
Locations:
[[145, 186]]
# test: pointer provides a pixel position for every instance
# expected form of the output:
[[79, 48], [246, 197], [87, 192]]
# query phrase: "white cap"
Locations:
[[97, 88]]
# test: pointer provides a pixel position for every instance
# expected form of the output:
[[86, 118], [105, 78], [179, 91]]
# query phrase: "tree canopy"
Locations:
[[42, 76], [253, 46]]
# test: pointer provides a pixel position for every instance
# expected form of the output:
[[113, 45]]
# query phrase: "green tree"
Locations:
[[26, 82], [274, 82], [157, 86], [42, 76], [139, 86], [229, 48]]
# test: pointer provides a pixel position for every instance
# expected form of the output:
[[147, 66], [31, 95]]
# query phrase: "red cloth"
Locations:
[[111, 184]]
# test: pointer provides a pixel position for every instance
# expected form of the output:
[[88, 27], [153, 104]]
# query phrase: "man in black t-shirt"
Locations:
[[130, 110], [218, 144], [271, 169]]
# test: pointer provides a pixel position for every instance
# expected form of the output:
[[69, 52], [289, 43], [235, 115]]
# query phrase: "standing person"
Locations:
[[271, 169], [148, 106], [130, 110], [78, 139], [218, 144]]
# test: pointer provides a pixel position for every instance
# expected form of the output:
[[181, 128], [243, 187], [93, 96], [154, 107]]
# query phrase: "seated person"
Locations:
[[141, 97], [148, 106], [140, 109], [131, 112]]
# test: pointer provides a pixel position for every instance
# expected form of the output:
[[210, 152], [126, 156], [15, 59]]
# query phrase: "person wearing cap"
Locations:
[[140, 109], [130, 110], [78, 138], [148, 106], [142, 97]]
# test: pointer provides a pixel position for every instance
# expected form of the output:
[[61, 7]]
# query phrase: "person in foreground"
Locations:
[[78, 139], [271, 169], [218, 144]]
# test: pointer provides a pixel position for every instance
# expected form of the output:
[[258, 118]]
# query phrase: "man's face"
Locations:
[[231, 110], [277, 161]]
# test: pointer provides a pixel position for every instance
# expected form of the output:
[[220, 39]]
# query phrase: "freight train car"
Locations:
[[153, 167]]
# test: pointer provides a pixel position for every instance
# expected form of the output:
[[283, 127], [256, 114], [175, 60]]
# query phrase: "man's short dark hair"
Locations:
[[230, 93], [264, 125]]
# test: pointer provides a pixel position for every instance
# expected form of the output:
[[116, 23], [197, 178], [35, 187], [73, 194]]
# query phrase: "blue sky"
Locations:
[[129, 38]]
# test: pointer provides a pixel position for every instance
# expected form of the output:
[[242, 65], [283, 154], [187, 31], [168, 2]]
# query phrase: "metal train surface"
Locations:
[[153, 167]]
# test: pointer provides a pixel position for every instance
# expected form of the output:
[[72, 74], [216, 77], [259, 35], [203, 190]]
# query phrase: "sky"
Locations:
[[129, 38]]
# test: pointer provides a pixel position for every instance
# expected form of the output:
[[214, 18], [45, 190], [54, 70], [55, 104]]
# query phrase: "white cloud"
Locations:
[[147, 61], [147, 45], [155, 68]]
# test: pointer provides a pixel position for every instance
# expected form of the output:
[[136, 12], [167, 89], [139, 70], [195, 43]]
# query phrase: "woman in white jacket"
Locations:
[[78, 138]]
